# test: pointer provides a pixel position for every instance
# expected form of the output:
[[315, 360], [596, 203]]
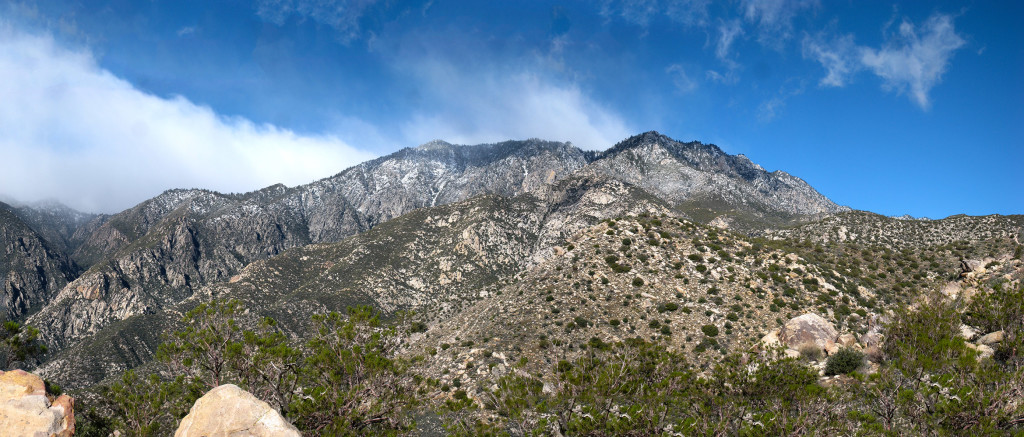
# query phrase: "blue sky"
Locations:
[[893, 107]]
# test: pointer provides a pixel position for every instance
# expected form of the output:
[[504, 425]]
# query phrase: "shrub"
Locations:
[[416, 327], [638, 281], [843, 362], [709, 330], [810, 351], [668, 306]]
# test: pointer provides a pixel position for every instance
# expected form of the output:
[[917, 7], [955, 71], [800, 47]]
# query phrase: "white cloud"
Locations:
[[640, 12], [342, 15], [680, 79], [727, 33], [839, 57], [915, 62], [74, 132], [774, 17], [474, 106], [769, 109]]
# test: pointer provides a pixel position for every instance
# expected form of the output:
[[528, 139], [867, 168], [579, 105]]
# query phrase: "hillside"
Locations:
[[664, 280]]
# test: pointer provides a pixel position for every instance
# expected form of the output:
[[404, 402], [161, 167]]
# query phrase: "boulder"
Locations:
[[230, 411], [984, 351], [770, 340], [991, 338], [26, 410], [808, 328], [847, 340], [968, 333], [873, 337], [951, 290], [971, 266]]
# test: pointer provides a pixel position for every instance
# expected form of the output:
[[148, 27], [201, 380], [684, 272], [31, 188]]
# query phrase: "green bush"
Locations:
[[709, 330], [668, 306], [843, 362]]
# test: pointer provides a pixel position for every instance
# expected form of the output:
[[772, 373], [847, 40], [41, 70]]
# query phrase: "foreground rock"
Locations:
[[230, 411], [25, 409]]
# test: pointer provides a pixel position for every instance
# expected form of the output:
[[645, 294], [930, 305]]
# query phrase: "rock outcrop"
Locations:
[[26, 410], [32, 271], [230, 411], [808, 329]]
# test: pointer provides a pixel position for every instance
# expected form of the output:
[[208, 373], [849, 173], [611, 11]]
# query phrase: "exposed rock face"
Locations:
[[159, 252], [695, 172], [64, 228], [808, 329], [31, 270], [433, 260], [230, 411], [25, 410]]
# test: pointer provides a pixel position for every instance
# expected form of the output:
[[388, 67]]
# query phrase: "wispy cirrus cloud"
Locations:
[[343, 15], [641, 12], [912, 61], [915, 60], [93, 141], [728, 31], [774, 18], [838, 56], [682, 81]]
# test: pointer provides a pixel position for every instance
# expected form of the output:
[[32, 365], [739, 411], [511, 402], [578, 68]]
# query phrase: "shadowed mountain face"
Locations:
[[31, 268], [158, 254]]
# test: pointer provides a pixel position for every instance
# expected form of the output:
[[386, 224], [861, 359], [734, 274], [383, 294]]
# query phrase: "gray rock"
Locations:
[[991, 338], [808, 329]]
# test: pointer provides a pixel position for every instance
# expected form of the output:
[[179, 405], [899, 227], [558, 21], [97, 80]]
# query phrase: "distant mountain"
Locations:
[[434, 260], [704, 182], [32, 269], [159, 253]]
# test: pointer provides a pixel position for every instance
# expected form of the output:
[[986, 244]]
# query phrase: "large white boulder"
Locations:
[[808, 329], [25, 409], [230, 411]]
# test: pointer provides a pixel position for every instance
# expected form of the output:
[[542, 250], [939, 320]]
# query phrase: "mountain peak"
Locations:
[[434, 145]]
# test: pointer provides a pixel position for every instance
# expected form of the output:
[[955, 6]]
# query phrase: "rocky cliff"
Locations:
[[32, 270]]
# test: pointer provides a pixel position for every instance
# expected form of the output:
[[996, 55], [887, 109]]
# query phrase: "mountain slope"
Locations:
[[160, 251], [31, 269], [696, 290], [158, 254], [434, 261], [702, 178]]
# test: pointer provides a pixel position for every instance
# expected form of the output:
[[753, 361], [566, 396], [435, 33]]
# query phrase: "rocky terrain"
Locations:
[[700, 291], [508, 260], [32, 269], [433, 261], [161, 251], [894, 233]]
